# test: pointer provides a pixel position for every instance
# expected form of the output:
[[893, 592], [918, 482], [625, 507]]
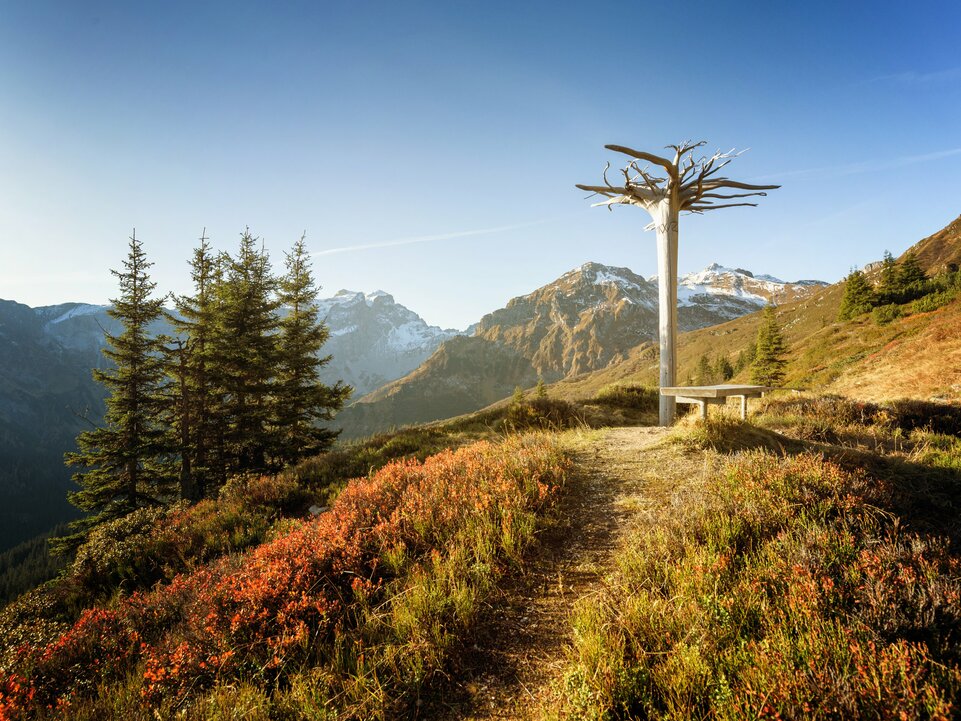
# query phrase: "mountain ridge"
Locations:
[[588, 318]]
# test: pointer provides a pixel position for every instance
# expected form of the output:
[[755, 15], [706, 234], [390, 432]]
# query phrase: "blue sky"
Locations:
[[463, 126]]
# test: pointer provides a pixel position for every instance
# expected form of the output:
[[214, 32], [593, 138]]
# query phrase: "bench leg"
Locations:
[[743, 408], [703, 405]]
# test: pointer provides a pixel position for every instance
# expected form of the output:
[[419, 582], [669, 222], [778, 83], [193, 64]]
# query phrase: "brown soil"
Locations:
[[513, 665]]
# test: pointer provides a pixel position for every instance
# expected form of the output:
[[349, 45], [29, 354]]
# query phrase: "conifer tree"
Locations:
[[245, 349], [127, 460], [858, 296], [723, 370], [301, 400], [889, 276], [540, 391], [768, 366], [194, 362], [745, 357], [704, 373], [910, 272]]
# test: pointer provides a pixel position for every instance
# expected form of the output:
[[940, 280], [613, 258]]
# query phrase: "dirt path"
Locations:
[[512, 666]]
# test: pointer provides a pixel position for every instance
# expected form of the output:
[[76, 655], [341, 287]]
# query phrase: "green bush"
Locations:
[[884, 314], [932, 301], [115, 553]]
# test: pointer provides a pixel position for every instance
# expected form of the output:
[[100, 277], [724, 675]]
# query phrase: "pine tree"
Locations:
[[301, 400], [540, 391], [723, 370], [245, 350], [889, 276], [193, 364], [768, 366], [127, 460], [745, 357], [858, 296], [704, 373], [910, 272]]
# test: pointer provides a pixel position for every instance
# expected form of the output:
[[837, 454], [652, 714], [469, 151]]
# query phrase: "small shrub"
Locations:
[[933, 301], [632, 396], [114, 553], [885, 314], [542, 413]]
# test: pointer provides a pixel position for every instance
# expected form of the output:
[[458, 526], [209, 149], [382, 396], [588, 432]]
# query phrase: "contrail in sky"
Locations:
[[431, 238], [870, 166]]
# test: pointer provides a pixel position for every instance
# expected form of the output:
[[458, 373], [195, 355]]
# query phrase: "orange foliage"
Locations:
[[254, 613]]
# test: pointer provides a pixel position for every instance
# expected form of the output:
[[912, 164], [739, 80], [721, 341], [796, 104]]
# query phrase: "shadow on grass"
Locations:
[[925, 498]]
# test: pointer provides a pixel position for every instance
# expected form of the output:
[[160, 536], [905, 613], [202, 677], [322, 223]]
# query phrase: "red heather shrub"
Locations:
[[253, 614]]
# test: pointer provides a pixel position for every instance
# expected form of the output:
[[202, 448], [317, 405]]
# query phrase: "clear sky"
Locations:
[[463, 126]]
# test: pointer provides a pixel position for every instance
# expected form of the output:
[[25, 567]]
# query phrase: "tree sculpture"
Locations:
[[693, 186]]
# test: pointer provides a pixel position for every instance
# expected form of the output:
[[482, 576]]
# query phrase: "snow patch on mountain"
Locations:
[[374, 339], [717, 284], [71, 310]]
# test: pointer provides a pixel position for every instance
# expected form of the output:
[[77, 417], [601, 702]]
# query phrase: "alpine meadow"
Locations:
[[463, 404]]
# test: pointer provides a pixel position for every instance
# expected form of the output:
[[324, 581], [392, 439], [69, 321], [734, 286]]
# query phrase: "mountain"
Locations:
[[917, 355], [47, 394], [45, 389], [733, 292], [374, 339], [585, 320]]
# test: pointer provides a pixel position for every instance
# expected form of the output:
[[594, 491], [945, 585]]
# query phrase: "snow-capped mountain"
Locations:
[[585, 320], [374, 339], [719, 285]]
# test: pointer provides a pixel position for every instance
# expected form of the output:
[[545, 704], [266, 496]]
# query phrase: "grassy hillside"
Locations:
[[809, 571], [815, 575]]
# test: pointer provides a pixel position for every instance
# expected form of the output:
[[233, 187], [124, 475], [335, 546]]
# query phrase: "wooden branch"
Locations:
[[691, 196], [728, 183], [606, 181], [654, 184], [649, 157], [601, 189], [686, 147], [700, 208], [692, 184], [732, 195]]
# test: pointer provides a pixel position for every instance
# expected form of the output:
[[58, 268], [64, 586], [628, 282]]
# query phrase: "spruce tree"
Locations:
[[126, 461], [197, 423], [723, 370], [910, 272], [245, 349], [540, 390], [889, 277], [704, 373], [858, 296], [768, 366], [301, 400], [745, 357]]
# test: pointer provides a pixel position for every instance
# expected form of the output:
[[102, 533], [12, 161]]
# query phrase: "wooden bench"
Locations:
[[705, 395]]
